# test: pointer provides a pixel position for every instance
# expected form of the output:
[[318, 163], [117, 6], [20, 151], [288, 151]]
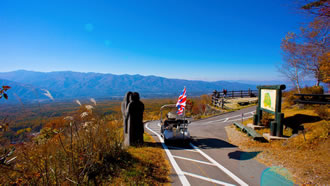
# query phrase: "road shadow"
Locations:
[[172, 145], [202, 143], [295, 122], [211, 143], [240, 155]]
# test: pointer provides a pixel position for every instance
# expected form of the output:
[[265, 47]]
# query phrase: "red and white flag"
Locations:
[[181, 104]]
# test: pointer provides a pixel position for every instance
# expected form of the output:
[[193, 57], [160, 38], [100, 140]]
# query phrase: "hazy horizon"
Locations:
[[283, 79]]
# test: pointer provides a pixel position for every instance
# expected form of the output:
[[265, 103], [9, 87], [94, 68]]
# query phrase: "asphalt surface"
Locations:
[[210, 159]]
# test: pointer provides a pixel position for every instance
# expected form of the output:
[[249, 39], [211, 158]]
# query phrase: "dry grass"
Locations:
[[306, 158], [149, 166], [85, 149]]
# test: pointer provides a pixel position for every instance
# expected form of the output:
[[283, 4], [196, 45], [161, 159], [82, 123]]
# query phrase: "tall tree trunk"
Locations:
[[318, 82], [298, 86], [297, 78], [318, 75]]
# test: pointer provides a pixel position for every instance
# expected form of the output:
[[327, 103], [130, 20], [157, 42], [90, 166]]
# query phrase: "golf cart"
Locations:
[[174, 127]]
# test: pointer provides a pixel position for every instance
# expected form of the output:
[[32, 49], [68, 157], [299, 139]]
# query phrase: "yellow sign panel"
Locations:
[[268, 99]]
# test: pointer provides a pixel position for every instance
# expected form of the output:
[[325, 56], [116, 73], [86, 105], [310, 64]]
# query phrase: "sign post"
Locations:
[[270, 100]]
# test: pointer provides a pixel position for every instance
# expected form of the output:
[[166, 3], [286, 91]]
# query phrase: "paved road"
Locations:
[[210, 159]]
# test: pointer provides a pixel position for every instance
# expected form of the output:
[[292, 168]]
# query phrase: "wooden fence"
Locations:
[[218, 97], [322, 99]]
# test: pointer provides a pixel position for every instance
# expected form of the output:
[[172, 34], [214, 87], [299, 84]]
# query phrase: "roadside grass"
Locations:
[[305, 155], [148, 167]]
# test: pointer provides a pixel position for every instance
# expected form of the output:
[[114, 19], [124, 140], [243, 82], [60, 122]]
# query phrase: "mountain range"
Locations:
[[32, 86]]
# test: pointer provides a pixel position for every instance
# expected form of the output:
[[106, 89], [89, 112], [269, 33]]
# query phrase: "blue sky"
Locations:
[[187, 39]]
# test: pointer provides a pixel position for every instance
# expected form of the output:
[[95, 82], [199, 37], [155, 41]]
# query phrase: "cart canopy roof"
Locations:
[[168, 106], [172, 115]]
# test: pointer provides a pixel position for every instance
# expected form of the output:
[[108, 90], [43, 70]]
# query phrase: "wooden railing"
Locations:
[[321, 99], [218, 97], [236, 93]]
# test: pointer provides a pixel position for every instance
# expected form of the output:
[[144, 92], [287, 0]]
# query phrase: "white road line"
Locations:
[[241, 118], [177, 169], [213, 121], [181, 174], [198, 161], [226, 119], [191, 150], [238, 180], [240, 115], [235, 116], [223, 119], [207, 179]]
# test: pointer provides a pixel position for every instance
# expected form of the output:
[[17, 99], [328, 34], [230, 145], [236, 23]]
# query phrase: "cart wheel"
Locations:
[[162, 129], [165, 141], [186, 142]]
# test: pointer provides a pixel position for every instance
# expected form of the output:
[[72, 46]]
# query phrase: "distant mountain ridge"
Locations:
[[70, 85], [25, 92]]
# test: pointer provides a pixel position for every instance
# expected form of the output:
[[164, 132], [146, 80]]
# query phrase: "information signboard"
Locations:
[[268, 99]]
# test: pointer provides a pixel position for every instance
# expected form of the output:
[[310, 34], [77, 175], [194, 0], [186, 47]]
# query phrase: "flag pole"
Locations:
[[184, 116], [184, 111]]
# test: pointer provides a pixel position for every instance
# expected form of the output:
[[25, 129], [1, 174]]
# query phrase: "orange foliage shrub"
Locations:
[[323, 112]]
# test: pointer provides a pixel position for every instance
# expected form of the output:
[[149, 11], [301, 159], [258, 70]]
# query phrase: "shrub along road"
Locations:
[[210, 159]]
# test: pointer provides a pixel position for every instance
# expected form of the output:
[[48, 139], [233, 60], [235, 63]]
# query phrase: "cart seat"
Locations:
[[170, 122]]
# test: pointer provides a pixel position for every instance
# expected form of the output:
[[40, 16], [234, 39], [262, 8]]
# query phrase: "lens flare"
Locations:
[[89, 27]]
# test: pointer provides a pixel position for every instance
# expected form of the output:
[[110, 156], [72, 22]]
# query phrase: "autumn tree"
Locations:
[[319, 8], [4, 124], [318, 38], [305, 52], [3, 91], [315, 39], [325, 68], [293, 56]]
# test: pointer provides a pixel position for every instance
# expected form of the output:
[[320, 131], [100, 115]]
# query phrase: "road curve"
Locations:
[[210, 159]]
